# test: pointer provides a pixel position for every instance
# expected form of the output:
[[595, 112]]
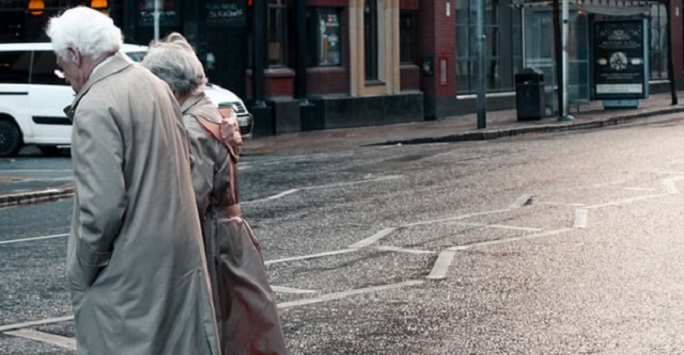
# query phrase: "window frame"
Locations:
[[408, 37], [278, 53], [23, 57], [371, 41], [316, 32]]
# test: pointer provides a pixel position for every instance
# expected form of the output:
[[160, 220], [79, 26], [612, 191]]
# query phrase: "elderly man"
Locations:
[[135, 262]]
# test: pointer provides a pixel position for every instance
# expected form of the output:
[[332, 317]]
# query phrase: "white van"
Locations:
[[32, 98]]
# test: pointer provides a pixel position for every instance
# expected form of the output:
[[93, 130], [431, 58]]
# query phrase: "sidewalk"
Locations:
[[503, 123]]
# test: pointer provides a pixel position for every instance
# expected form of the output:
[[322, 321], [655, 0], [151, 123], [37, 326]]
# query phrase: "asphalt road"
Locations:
[[564, 243]]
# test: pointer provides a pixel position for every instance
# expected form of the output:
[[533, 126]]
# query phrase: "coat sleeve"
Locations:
[[202, 162], [97, 155]]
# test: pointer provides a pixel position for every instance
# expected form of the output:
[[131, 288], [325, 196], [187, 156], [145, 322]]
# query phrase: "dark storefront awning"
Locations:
[[603, 7]]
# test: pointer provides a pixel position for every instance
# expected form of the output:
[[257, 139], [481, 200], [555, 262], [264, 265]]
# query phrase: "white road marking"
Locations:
[[291, 191], [670, 185], [64, 342], [382, 178], [34, 238], [626, 201], [283, 289], [6, 327], [666, 172], [496, 226], [402, 250], [374, 238], [551, 203], [344, 294], [522, 200], [65, 178], [276, 196], [464, 216], [648, 189], [581, 215], [39, 171], [509, 240], [622, 178], [442, 264], [310, 256]]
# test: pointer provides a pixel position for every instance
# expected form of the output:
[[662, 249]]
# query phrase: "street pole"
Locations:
[[481, 82], [156, 20], [670, 65], [564, 63], [302, 58], [260, 38]]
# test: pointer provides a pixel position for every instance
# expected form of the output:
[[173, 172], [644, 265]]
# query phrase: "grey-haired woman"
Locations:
[[244, 302]]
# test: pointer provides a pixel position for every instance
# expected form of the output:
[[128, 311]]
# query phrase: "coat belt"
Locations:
[[234, 210], [229, 211]]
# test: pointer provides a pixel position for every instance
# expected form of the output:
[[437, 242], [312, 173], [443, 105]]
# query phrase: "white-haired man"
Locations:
[[135, 262]]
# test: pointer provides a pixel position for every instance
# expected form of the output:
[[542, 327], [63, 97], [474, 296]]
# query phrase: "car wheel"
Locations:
[[10, 138], [51, 150]]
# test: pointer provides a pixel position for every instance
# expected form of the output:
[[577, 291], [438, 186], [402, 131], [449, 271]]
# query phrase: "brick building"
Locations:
[[320, 64]]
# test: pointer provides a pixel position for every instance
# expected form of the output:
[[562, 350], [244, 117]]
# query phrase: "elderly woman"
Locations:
[[245, 306], [135, 259]]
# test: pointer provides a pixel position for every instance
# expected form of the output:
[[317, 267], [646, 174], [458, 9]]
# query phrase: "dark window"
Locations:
[[502, 49], [658, 42], [44, 65], [407, 37], [370, 33], [12, 24], [14, 67], [277, 33], [324, 37]]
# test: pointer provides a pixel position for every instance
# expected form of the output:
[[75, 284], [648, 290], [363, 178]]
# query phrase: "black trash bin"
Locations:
[[529, 94]]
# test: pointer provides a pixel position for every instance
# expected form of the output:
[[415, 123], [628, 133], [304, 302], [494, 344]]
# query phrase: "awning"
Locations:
[[603, 7]]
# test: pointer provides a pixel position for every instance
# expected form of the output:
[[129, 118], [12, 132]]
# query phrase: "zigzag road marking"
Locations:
[[581, 215], [310, 256], [6, 327], [374, 238], [283, 289], [402, 250], [670, 185], [344, 294], [445, 258], [34, 238], [64, 342], [291, 191]]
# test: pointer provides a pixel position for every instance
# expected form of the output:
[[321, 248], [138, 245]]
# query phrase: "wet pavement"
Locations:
[[499, 124]]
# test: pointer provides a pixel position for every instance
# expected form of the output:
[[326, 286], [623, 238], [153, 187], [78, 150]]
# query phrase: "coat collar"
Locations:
[[115, 65], [192, 101]]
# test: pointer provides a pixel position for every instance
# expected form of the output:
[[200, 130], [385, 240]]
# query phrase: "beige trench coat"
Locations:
[[245, 304], [135, 260]]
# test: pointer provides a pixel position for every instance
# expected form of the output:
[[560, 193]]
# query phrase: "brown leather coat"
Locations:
[[245, 305]]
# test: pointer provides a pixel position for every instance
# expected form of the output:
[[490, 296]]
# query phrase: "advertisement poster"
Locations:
[[619, 60]]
